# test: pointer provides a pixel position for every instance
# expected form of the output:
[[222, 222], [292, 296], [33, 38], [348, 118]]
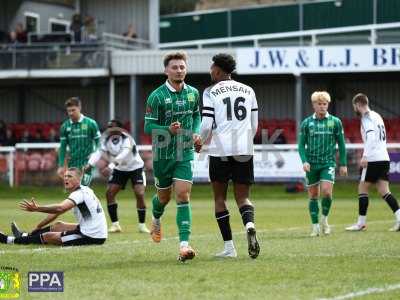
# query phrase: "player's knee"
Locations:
[[110, 195], [326, 193], [182, 196], [56, 226]]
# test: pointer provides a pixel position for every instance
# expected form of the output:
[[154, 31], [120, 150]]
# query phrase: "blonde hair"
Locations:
[[320, 95]]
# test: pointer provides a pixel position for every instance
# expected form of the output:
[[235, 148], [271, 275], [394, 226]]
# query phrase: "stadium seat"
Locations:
[[3, 164]]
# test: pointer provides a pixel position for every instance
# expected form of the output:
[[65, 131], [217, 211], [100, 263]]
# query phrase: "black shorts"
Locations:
[[376, 170], [121, 177], [77, 238], [238, 168]]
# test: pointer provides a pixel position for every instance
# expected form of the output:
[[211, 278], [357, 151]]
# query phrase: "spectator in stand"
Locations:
[[131, 33], [12, 38], [76, 27], [22, 36], [26, 137], [53, 136], [3, 133], [89, 30], [280, 139], [38, 137], [11, 140]]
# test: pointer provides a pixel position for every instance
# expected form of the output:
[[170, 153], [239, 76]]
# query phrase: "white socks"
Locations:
[[228, 245], [10, 240], [183, 243], [397, 214], [362, 220], [249, 225]]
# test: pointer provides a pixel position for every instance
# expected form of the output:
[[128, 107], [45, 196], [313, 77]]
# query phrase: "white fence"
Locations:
[[28, 163]]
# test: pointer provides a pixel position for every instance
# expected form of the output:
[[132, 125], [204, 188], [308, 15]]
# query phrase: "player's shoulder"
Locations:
[[335, 119], [66, 123], [372, 115], [158, 91], [307, 120], [243, 85], [191, 89]]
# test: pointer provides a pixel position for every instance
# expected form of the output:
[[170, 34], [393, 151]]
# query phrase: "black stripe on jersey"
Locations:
[[369, 131], [207, 115], [254, 109], [84, 210], [208, 108]]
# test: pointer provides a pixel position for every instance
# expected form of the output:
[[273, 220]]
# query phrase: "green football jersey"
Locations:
[[165, 105], [81, 137], [318, 139]]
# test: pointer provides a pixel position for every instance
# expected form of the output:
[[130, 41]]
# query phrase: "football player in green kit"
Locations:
[[319, 135], [173, 119]]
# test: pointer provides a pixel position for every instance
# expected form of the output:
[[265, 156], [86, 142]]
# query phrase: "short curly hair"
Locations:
[[225, 61]]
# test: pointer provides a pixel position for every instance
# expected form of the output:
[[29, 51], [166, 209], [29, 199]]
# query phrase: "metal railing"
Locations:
[[116, 41], [53, 56], [363, 34]]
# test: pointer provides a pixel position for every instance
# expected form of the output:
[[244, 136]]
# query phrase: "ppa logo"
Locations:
[[46, 282]]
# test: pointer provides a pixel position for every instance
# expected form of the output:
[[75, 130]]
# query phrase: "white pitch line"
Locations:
[[46, 249], [365, 292]]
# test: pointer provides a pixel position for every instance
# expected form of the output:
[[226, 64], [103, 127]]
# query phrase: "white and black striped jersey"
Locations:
[[232, 107], [121, 150], [89, 213], [373, 134]]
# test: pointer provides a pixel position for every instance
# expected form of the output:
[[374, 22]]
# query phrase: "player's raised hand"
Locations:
[[343, 171], [306, 167], [363, 162], [61, 172], [29, 205], [174, 127], [197, 142]]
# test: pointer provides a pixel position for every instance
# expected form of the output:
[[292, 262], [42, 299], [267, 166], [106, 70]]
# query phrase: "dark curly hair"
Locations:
[[225, 61]]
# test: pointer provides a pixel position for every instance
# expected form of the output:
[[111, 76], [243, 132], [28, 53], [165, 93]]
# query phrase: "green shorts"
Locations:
[[320, 173], [87, 177], [167, 170]]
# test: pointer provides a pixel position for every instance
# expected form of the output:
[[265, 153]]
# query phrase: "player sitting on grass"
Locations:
[[319, 135], [91, 228]]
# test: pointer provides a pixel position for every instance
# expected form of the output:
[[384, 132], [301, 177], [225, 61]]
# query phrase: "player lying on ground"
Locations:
[[319, 135], [91, 228], [173, 119], [231, 148], [375, 163], [125, 164]]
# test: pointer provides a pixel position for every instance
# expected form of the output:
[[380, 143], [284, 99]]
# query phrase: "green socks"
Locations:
[[158, 207], [184, 220], [326, 205], [314, 210]]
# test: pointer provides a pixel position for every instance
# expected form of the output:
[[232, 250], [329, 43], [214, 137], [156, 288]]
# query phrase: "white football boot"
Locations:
[[142, 228], [396, 227], [227, 253], [357, 227], [316, 230], [115, 227]]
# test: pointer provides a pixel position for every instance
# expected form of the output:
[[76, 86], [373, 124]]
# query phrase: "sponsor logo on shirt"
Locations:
[[330, 123], [191, 97], [84, 126], [168, 101]]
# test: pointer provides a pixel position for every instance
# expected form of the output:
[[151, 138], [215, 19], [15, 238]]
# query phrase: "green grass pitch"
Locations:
[[291, 265]]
